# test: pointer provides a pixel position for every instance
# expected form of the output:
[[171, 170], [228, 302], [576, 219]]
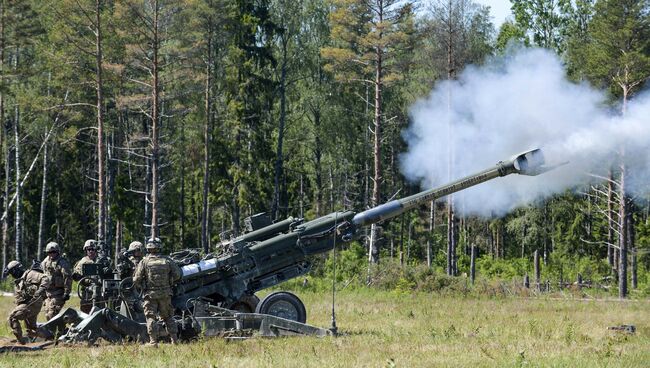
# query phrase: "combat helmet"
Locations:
[[52, 247], [14, 268], [89, 244], [135, 246], [153, 244]]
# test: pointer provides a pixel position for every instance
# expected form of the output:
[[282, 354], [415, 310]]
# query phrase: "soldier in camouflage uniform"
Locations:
[[58, 270], [90, 251], [127, 266], [30, 287], [156, 275]]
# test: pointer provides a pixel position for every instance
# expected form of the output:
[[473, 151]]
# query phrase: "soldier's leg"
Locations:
[[53, 306], [30, 320], [150, 307], [19, 313], [167, 315]]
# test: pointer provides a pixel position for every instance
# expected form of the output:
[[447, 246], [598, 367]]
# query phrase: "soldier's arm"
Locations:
[[76, 273], [67, 276], [174, 273], [43, 286], [139, 274]]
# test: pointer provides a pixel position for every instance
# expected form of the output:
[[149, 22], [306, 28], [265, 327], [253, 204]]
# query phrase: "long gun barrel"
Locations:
[[529, 163], [278, 252]]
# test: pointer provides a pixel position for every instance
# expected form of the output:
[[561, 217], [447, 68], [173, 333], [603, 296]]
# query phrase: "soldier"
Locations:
[[30, 288], [156, 275], [58, 270], [90, 251], [127, 266]]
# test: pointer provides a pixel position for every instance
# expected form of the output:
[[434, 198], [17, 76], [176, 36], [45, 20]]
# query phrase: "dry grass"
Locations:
[[385, 329]]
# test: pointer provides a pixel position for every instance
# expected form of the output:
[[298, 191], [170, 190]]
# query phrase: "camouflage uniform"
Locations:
[[135, 261], [86, 304], [156, 275], [126, 267], [29, 289], [58, 270], [78, 267], [86, 295]]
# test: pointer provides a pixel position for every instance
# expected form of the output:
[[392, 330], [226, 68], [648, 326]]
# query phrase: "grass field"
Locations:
[[384, 329]]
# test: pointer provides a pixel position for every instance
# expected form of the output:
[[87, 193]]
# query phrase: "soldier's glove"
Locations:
[[66, 297]]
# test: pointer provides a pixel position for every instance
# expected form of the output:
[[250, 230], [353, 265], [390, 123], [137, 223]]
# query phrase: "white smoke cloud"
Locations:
[[514, 104]]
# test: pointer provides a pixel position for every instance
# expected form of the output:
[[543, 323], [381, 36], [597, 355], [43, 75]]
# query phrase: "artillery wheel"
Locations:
[[283, 304], [128, 289], [83, 288], [246, 304]]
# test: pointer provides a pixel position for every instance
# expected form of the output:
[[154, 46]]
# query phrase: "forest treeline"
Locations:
[[125, 119]]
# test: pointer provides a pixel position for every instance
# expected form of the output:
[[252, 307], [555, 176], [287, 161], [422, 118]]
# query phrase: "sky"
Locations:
[[500, 9]]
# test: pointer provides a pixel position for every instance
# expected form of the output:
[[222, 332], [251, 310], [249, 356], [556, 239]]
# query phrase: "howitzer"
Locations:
[[218, 291], [272, 253]]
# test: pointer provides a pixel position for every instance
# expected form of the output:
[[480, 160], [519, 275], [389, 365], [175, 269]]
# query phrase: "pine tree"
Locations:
[[366, 36]]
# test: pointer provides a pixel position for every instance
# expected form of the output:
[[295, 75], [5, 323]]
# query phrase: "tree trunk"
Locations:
[[279, 161], [401, 242], [430, 240], [631, 246], [155, 146], [19, 202], [182, 179], [110, 191], [331, 173], [538, 275], [451, 234], [472, 265], [301, 201], [318, 153], [206, 147], [41, 219], [624, 218], [451, 247], [118, 240], [101, 155], [610, 222], [5, 138], [376, 187]]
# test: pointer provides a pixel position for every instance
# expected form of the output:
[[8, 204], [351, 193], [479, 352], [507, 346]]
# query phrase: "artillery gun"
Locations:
[[218, 291]]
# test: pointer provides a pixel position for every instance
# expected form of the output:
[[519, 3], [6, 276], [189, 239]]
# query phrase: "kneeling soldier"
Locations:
[[30, 287], [156, 275]]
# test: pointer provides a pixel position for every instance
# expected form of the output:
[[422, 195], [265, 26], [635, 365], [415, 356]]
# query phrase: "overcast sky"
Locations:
[[500, 9]]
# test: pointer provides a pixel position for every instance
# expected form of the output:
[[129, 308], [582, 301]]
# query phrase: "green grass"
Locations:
[[386, 329]]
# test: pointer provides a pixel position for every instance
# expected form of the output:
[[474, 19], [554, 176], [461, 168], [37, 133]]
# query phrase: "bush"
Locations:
[[495, 277]]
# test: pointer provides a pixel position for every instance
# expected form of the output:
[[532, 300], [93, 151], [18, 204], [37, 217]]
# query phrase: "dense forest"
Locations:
[[124, 119]]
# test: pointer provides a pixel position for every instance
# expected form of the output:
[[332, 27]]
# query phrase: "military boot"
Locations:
[[21, 340]]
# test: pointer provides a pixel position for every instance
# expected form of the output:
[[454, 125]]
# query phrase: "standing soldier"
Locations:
[[30, 287], [58, 270], [156, 275], [90, 257], [127, 266], [90, 251]]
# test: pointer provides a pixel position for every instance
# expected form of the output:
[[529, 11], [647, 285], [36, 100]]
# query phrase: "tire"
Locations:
[[245, 304], [283, 304]]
